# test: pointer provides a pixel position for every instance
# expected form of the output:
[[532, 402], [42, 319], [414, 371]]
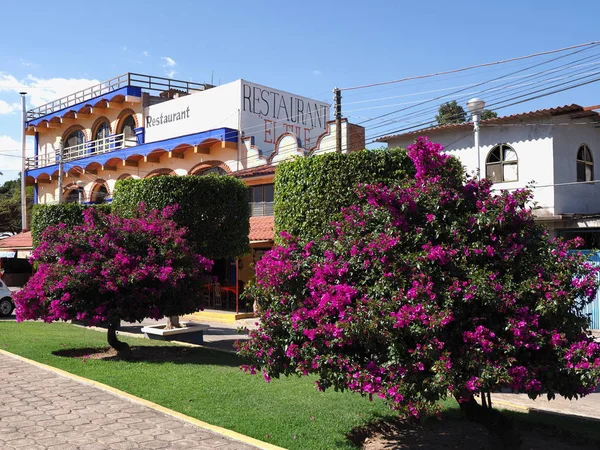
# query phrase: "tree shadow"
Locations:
[[174, 354], [539, 431]]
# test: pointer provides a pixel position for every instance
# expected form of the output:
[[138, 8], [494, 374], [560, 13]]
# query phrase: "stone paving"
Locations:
[[40, 410]]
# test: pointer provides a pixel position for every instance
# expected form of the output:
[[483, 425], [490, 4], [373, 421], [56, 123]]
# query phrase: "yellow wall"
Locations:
[[48, 192], [49, 138]]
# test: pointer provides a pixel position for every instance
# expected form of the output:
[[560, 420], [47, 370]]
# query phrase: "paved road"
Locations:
[[588, 406], [40, 410]]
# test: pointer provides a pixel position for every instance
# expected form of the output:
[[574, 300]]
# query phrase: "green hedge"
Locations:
[[70, 214], [214, 208], [309, 192]]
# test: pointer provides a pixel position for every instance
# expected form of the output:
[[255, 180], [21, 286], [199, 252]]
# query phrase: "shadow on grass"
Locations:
[[156, 354]]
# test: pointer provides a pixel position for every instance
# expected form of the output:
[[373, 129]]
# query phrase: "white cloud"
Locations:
[[317, 72], [26, 63], [10, 155], [171, 73], [145, 53], [43, 90], [169, 62], [7, 108]]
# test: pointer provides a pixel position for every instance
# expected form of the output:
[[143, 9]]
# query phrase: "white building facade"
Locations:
[[554, 151]]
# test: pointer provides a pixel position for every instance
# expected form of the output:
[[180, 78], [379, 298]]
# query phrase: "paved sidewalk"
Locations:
[[41, 410], [587, 407]]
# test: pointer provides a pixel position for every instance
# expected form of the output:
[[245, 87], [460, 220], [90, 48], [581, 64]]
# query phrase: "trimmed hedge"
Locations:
[[309, 192], [214, 209], [70, 214]]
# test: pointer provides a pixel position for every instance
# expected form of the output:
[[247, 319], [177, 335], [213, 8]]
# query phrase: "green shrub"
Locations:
[[70, 214], [213, 208], [309, 192]]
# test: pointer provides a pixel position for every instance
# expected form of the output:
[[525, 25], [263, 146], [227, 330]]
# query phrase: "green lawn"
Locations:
[[207, 385]]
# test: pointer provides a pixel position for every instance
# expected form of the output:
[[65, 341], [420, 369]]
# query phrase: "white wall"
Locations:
[[533, 144], [205, 110], [268, 113], [582, 198]]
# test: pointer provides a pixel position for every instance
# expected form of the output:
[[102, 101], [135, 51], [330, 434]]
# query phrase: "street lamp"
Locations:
[[80, 185], [475, 107], [23, 162]]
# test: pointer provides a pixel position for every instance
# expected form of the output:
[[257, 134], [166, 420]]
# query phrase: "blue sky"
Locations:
[[53, 48]]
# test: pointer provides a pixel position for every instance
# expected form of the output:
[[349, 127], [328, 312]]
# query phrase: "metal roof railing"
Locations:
[[148, 83]]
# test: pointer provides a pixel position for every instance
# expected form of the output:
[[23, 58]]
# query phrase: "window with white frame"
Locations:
[[502, 164], [585, 164]]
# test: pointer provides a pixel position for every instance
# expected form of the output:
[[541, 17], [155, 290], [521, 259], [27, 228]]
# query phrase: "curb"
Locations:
[[132, 398], [512, 406]]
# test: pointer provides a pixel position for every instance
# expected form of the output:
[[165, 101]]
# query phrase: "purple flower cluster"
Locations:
[[114, 267], [431, 288]]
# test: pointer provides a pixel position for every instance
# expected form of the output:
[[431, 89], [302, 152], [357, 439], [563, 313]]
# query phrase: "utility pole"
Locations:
[[60, 171], [337, 98], [23, 163]]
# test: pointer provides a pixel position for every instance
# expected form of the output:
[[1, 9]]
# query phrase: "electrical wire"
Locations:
[[462, 69], [484, 82], [503, 104]]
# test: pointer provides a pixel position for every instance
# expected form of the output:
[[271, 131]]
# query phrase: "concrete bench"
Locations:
[[189, 332]]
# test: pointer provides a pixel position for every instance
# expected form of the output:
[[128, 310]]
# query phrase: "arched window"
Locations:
[[502, 164], [74, 138], [74, 195], [585, 164], [102, 132], [99, 195], [128, 127], [217, 170]]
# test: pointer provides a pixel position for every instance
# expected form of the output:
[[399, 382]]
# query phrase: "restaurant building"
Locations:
[[139, 126]]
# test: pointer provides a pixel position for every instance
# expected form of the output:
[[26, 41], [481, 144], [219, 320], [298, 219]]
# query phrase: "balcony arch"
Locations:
[[127, 122], [73, 193], [203, 167], [163, 171], [74, 135], [99, 192], [101, 130]]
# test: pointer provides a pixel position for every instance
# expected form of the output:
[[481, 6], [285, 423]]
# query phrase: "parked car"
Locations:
[[6, 302]]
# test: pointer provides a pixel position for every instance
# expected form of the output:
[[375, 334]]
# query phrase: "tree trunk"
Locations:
[[501, 428], [122, 348], [172, 322]]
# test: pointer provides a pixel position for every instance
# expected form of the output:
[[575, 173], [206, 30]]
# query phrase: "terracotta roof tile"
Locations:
[[261, 228], [548, 112], [265, 169], [21, 240]]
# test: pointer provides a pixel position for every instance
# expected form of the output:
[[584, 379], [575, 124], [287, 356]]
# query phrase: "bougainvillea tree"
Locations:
[[434, 288], [111, 269]]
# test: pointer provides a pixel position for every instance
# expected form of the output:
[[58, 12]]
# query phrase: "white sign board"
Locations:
[[268, 113], [202, 111]]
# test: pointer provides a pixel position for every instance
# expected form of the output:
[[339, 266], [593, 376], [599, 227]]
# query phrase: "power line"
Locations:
[[462, 69], [501, 107], [497, 104], [485, 82], [496, 98]]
